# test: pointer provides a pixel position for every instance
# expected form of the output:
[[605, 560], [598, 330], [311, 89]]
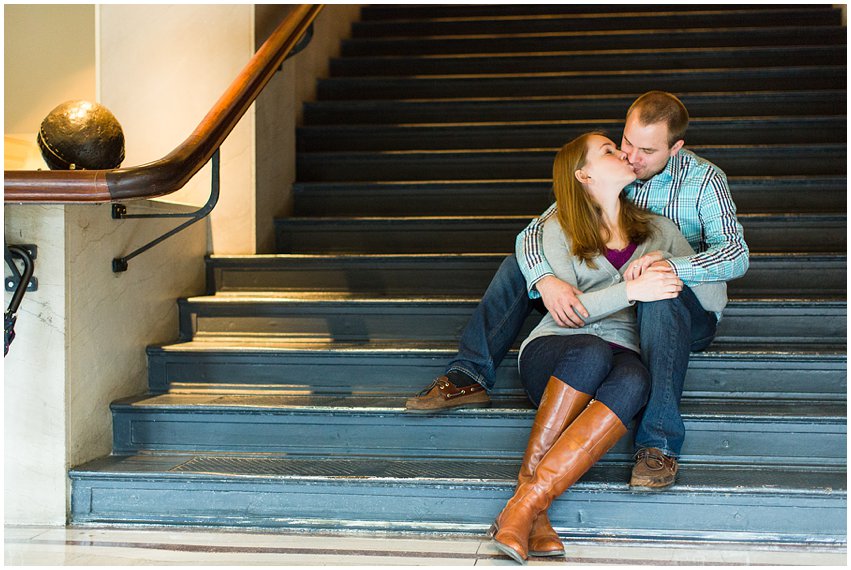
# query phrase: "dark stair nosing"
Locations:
[[229, 365], [430, 320], [538, 134], [591, 22], [577, 107], [589, 60], [722, 504], [768, 275], [594, 40], [766, 194], [525, 163], [393, 12], [583, 83], [764, 233]]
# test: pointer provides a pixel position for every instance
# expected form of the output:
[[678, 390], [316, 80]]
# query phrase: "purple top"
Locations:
[[617, 257]]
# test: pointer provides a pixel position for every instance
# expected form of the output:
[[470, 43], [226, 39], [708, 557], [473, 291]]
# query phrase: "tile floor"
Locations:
[[27, 545]]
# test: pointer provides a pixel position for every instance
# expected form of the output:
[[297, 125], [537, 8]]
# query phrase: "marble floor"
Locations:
[[29, 545]]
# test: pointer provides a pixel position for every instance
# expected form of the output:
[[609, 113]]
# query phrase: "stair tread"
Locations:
[[693, 477], [241, 344], [732, 122], [273, 297], [705, 409]]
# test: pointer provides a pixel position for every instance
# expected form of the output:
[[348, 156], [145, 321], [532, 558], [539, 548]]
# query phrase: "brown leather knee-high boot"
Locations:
[[578, 448], [559, 406]]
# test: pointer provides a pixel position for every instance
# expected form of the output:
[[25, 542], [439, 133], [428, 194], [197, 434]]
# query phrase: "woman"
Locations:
[[588, 383]]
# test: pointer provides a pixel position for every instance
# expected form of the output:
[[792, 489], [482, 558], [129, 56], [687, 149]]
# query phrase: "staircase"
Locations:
[[429, 148]]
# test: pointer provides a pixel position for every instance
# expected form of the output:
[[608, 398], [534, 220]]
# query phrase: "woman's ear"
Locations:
[[581, 176]]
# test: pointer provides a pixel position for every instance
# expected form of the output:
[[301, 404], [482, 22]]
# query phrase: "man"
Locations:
[[672, 182]]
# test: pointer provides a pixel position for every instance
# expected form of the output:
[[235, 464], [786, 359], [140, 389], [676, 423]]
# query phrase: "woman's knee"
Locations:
[[587, 362]]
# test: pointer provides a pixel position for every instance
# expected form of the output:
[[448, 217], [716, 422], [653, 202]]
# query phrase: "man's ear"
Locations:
[[677, 146], [581, 176]]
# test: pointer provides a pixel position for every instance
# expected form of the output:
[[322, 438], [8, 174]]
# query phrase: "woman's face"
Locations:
[[605, 166]]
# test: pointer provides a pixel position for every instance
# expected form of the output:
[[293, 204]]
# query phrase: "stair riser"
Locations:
[[745, 132], [397, 434], [528, 164], [405, 12], [404, 374], [464, 507], [719, 19], [565, 41], [589, 61], [481, 236], [810, 103], [451, 276], [499, 198], [769, 79], [742, 322]]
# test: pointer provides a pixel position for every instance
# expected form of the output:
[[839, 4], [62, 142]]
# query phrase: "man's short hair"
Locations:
[[660, 106]]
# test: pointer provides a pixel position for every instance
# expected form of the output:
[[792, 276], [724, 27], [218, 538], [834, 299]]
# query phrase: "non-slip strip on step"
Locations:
[[378, 405], [694, 478]]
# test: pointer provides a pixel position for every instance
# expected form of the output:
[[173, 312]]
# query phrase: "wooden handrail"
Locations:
[[173, 171]]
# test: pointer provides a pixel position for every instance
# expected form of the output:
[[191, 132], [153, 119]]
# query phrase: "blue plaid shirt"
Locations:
[[693, 193]]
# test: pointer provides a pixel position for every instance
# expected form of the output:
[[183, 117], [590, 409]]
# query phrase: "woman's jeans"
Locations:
[[668, 330], [587, 363]]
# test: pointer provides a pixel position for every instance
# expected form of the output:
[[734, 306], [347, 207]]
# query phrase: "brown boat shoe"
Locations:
[[442, 395], [653, 470]]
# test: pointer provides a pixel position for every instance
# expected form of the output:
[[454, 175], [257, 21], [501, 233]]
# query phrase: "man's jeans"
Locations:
[[669, 330], [495, 324]]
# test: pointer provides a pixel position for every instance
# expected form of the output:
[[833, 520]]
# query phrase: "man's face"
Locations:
[[646, 146]]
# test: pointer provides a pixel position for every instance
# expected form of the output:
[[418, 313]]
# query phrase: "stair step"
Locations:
[[778, 194], [569, 108], [769, 275], [717, 18], [588, 60], [537, 163], [764, 233], [718, 431], [234, 365], [711, 502], [567, 40], [327, 317], [582, 83], [403, 12], [539, 134]]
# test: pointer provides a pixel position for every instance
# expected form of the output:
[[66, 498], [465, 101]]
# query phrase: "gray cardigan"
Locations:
[[610, 315]]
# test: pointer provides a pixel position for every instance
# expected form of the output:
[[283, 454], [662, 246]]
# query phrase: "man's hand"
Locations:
[[637, 267], [561, 300]]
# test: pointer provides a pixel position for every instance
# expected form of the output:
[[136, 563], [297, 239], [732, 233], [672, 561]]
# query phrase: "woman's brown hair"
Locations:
[[580, 216]]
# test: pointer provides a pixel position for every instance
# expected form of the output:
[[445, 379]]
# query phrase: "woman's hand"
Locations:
[[640, 265], [654, 284]]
